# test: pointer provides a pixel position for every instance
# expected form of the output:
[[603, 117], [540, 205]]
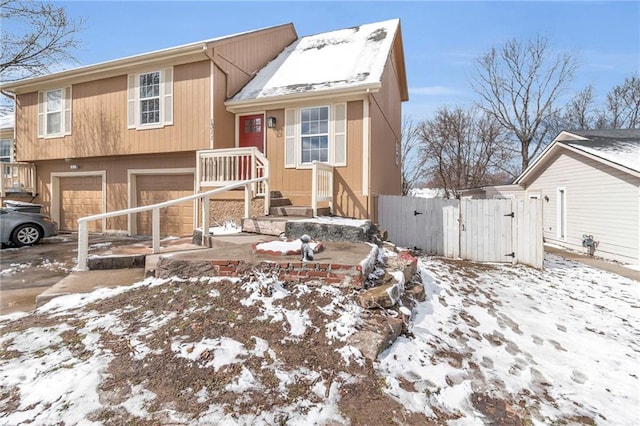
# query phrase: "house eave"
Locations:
[[314, 96], [177, 55], [557, 145]]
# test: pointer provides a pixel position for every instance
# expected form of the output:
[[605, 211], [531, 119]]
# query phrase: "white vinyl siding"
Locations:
[[600, 200], [150, 99], [315, 133], [54, 112]]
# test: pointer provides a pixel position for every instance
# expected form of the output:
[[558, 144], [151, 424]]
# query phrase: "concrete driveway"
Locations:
[[28, 271]]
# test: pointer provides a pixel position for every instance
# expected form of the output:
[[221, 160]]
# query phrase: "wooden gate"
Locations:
[[478, 230]]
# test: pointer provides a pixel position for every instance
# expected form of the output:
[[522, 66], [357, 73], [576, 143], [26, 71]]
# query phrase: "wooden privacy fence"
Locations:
[[478, 230]]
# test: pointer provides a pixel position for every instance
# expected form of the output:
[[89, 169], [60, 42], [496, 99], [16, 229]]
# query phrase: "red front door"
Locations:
[[251, 135], [252, 131]]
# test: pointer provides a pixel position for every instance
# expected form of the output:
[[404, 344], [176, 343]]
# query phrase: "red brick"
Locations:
[[220, 262], [323, 265], [337, 266], [319, 274]]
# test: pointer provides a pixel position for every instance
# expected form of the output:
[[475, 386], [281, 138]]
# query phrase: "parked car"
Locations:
[[23, 225]]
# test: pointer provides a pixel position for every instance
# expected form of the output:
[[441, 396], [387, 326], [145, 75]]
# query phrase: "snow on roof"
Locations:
[[339, 59], [6, 122], [620, 147]]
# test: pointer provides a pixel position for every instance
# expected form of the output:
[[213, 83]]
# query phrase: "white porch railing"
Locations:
[[17, 177], [204, 197], [321, 185], [222, 167]]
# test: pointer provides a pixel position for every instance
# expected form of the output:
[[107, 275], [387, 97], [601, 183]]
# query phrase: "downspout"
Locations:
[[205, 48], [366, 150]]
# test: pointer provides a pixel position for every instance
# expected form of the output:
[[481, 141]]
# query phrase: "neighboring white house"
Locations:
[[6, 138], [589, 182]]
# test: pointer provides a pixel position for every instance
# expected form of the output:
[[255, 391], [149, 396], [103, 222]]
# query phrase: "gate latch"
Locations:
[[512, 254], [512, 214], [416, 213]]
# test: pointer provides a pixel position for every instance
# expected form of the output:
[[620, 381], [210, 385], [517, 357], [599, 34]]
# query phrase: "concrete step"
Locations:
[[265, 225], [279, 202], [302, 211]]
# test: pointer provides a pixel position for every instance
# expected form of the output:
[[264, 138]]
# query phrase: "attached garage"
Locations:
[[79, 196], [176, 220]]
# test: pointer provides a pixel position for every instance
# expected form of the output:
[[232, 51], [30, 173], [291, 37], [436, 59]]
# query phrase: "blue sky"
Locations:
[[441, 39]]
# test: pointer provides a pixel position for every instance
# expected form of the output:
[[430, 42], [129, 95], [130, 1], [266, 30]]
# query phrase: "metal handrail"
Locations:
[[83, 233]]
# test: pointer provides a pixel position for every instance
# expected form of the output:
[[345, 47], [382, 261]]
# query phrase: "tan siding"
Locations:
[[386, 117], [116, 169], [99, 120], [601, 201], [295, 184], [236, 62], [349, 200]]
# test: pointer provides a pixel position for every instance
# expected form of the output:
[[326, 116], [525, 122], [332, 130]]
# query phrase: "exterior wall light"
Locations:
[[271, 122]]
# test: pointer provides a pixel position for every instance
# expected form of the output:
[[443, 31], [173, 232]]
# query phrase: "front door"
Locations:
[[252, 131], [251, 135]]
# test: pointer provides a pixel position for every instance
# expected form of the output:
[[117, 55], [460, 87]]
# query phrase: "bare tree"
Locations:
[[519, 85], [36, 35], [580, 113], [622, 109], [463, 149], [412, 169]]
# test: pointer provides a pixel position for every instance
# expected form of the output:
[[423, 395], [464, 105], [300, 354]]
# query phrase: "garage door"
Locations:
[[175, 220], [80, 196]]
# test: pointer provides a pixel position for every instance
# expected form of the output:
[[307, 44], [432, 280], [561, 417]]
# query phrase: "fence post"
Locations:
[[83, 245], [205, 217], [247, 200], [314, 188], [155, 230]]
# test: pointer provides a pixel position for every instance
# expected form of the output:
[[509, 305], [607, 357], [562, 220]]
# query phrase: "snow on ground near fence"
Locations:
[[559, 344], [570, 332]]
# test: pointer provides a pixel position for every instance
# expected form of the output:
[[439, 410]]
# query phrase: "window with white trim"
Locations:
[[150, 99], [316, 133], [54, 112], [5, 150]]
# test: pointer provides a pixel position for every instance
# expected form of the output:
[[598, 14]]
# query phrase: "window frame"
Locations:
[[561, 213], [64, 113], [336, 135], [300, 154], [164, 99]]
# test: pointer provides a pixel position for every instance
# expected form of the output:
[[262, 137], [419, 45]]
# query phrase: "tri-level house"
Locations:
[[266, 103]]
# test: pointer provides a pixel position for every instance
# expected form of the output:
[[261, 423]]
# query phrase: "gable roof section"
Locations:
[[351, 59], [174, 55], [619, 149]]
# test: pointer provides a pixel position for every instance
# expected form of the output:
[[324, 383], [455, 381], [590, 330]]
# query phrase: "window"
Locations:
[[150, 99], [5, 150], [314, 132], [562, 213], [317, 133], [253, 125], [54, 113]]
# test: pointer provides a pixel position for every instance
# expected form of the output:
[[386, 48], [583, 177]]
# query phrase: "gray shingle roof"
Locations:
[[621, 147]]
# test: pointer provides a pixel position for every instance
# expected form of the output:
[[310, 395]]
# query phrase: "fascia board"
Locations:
[[283, 100]]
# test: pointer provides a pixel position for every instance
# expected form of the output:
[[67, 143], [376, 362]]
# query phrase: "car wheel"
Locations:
[[26, 235]]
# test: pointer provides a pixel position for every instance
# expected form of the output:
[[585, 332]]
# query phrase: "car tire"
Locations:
[[26, 235]]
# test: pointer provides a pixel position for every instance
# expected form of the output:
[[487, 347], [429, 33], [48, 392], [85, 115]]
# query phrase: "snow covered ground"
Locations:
[[491, 343], [562, 344]]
